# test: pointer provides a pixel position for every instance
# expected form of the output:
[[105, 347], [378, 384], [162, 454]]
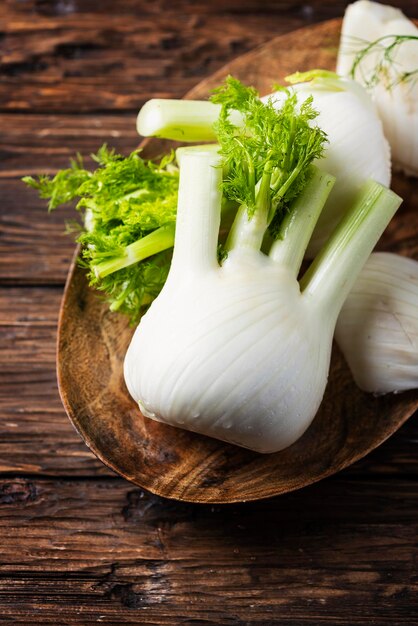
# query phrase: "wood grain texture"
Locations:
[[72, 56], [35, 435], [64, 55], [98, 550], [34, 144], [116, 555]]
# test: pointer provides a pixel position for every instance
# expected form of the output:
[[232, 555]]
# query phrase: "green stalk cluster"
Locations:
[[129, 205]]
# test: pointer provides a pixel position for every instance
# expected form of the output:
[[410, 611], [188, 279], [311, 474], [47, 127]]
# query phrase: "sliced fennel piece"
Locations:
[[377, 329], [238, 352], [357, 149], [379, 49]]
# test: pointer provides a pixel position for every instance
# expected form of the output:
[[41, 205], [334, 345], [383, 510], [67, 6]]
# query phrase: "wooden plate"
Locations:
[[177, 464]]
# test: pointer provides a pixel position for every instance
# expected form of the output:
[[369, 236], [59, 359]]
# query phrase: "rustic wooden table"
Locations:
[[78, 544]]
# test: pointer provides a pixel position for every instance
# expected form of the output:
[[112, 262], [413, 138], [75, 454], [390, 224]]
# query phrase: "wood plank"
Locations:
[[35, 433], [36, 436], [34, 144], [70, 58], [34, 247], [102, 551], [62, 57]]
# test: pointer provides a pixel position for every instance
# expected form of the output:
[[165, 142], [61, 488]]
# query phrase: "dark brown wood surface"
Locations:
[[79, 545]]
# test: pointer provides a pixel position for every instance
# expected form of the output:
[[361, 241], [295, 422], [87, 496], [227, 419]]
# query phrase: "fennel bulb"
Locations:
[[379, 48], [241, 351], [377, 329], [356, 151]]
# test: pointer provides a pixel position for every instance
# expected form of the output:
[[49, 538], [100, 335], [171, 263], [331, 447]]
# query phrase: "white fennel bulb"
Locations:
[[240, 351], [379, 48], [377, 329]]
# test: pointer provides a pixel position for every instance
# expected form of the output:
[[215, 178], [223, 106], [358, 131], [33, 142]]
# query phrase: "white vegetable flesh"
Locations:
[[238, 351], [216, 368], [377, 329], [396, 100]]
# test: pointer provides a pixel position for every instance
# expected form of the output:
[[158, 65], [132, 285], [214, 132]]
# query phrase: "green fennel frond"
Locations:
[[122, 201], [268, 157], [130, 289], [386, 68], [63, 187]]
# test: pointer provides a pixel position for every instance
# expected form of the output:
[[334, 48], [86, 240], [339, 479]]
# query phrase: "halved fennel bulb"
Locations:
[[377, 329], [379, 48]]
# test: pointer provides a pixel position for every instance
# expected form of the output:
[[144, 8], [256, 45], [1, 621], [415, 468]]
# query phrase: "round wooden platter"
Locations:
[[175, 463]]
